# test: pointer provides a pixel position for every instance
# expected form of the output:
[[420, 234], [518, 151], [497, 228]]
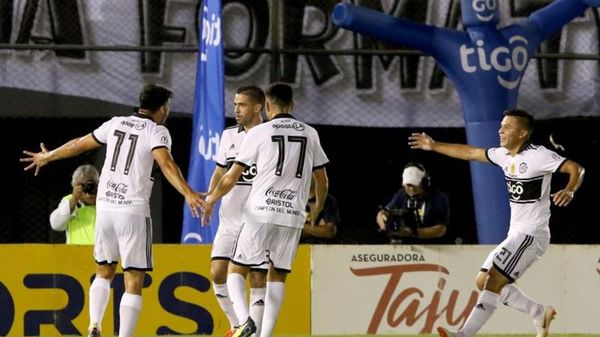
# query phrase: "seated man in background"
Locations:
[[417, 213], [325, 229], [76, 213]]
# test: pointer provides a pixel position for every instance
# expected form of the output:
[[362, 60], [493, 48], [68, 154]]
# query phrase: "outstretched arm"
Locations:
[[576, 173], [72, 148], [554, 16], [422, 141], [173, 174], [389, 28]]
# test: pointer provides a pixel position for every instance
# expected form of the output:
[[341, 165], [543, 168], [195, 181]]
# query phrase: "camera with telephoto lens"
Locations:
[[407, 217], [90, 187]]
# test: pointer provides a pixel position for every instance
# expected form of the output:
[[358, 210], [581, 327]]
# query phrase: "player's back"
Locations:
[[126, 178], [285, 151]]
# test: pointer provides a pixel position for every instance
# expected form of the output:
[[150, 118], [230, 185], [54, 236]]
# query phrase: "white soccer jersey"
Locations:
[[528, 176], [126, 178], [285, 151], [230, 211]]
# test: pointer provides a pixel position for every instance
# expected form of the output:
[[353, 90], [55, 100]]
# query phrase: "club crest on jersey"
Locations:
[[522, 168]]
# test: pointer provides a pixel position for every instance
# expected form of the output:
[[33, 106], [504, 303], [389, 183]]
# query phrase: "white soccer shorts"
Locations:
[[516, 253], [123, 236], [260, 243]]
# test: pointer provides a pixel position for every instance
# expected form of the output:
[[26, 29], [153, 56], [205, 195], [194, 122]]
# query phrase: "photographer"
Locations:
[[417, 213], [76, 212]]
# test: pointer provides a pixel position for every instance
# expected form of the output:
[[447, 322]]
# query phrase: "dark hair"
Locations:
[[253, 92], [153, 96], [527, 120], [280, 94]]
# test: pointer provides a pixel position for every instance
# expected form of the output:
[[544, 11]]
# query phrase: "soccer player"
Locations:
[[287, 154], [248, 102], [123, 228], [528, 170]]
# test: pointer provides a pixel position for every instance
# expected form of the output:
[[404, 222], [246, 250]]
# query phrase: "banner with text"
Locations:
[[414, 289], [44, 292], [209, 120], [359, 90]]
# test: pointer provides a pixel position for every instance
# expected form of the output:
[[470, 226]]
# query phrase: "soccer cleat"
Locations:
[[246, 329], [443, 332], [94, 332], [542, 326], [230, 332]]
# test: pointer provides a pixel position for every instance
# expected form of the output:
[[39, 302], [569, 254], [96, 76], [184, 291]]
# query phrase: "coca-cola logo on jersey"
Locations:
[[116, 190], [117, 187], [286, 194]]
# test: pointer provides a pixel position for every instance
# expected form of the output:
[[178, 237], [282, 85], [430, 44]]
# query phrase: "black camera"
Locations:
[[402, 218], [90, 187]]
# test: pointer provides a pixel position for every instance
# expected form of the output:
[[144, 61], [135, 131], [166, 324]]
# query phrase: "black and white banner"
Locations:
[[362, 90]]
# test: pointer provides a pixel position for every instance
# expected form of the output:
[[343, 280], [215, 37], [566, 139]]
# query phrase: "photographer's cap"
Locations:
[[412, 176]]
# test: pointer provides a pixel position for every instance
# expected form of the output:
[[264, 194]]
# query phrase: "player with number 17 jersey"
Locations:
[[280, 189], [126, 180]]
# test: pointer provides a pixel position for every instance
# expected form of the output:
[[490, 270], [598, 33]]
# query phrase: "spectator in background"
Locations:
[[417, 213], [325, 228], [76, 213]]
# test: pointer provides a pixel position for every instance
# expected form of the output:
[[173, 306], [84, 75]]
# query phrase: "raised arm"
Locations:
[[169, 168], [72, 148], [422, 141], [557, 14]]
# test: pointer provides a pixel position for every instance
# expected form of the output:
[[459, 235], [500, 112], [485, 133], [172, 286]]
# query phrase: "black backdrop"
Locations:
[[365, 170]]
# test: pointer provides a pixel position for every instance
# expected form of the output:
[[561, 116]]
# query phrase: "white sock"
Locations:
[[483, 310], [130, 312], [257, 306], [99, 293], [514, 297], [222, 295], [236, 285], [273, 299]]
